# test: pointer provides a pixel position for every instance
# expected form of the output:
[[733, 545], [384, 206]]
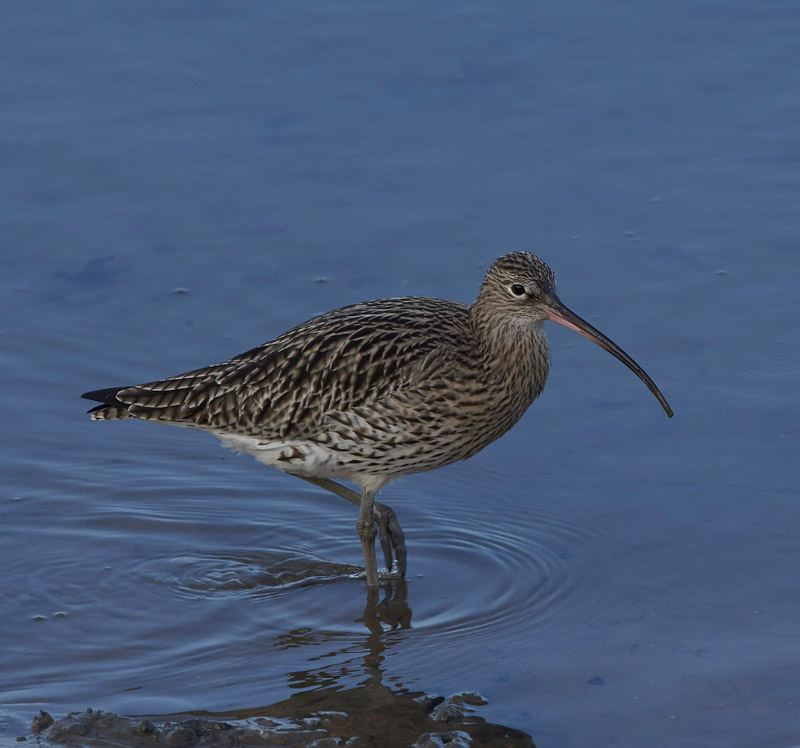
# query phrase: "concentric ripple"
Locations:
[[478, 572], [774, 367], [468, 571]]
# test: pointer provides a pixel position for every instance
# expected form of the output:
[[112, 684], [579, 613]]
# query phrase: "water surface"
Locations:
[[180, 184]]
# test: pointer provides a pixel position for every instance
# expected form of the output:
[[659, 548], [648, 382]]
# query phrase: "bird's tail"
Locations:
[[111, 408]]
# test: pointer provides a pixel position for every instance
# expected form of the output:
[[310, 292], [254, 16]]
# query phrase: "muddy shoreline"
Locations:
[[408, 719]]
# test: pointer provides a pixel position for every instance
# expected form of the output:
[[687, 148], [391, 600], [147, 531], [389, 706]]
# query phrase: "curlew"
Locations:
[[378, 390]]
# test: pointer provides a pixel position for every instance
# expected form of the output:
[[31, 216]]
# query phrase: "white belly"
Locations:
[[299, 457]]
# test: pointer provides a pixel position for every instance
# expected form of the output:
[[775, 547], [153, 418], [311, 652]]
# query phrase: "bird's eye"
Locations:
[[517, 289]]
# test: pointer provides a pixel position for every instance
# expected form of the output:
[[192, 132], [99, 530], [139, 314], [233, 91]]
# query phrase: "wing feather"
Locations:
[[287, 387]]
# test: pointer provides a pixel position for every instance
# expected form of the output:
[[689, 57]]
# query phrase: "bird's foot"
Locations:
[[392, 539]]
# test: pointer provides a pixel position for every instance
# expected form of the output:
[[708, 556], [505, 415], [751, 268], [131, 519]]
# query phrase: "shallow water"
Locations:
[[180, 184]]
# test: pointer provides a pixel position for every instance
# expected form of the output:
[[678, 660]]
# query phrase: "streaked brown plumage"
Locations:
[[377, 390]]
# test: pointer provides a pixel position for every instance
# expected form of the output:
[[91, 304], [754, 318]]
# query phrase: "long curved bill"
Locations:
[[557, 312]]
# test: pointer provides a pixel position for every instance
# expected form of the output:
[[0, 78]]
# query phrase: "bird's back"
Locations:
[[337, 362]]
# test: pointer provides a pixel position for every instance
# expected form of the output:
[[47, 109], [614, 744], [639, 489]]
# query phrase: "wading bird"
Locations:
[[378, 390]]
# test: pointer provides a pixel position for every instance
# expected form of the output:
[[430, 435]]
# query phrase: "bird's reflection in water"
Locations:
[[386, 610], [325, 709], [392, 610], [374, 712]]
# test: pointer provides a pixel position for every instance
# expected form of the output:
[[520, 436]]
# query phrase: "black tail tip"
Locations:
[[106, 397]]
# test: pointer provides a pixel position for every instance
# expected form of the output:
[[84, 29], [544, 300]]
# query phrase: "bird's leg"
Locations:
[[365, 524], [391, 537], [389, 530]]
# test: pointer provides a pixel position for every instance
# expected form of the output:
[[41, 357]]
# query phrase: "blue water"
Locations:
[[182, 182]]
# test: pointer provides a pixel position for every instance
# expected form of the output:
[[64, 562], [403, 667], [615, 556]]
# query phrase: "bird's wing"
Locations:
[[285, 388]]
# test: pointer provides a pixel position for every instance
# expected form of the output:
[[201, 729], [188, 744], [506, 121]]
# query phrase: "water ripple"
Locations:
[[481, 573], [772, 368], [468, 571]]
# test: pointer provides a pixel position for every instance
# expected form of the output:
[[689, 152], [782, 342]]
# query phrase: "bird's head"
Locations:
[[520, 289]]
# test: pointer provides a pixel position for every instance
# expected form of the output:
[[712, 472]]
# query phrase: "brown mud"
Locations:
[[318, 719]]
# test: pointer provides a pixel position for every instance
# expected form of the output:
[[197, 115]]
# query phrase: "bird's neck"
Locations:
[[515, 351]]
